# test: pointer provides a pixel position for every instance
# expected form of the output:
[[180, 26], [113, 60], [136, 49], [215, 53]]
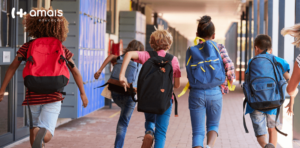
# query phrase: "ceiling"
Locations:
[[183, 14]]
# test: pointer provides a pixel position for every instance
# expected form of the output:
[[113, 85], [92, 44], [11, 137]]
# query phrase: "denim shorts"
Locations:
[[45, 115], [261, 121]]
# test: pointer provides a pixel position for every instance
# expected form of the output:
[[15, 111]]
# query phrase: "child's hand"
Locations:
[[84, 99], [290, 107], [1, 96], [97, 75], [123, 81]]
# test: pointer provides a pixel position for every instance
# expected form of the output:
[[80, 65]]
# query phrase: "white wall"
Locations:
[[275, 27], [288, 22]]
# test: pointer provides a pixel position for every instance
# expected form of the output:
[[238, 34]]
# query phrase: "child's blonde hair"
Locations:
[[161, 40], [293, 31]]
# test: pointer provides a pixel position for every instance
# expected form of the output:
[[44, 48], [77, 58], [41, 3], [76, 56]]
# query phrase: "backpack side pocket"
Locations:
[[246, 90]]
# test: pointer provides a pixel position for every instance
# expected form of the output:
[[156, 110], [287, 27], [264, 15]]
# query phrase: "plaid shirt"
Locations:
[[229, 68]]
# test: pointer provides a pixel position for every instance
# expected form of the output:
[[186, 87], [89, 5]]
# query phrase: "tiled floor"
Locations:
[[98, 128]]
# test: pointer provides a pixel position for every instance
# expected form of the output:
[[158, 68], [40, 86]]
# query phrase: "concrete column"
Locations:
[[270, 17], [250, 31], [275, 26], [255, 20], [47, 4], [246, 37], [289, 21], [39, 3], [261, 16], [148, 14]]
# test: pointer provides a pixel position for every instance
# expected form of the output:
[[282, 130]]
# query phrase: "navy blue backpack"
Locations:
[[264, 86], [205, 68]]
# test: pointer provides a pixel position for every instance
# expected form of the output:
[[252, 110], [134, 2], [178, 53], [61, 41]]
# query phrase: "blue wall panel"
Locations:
[[91, 43]]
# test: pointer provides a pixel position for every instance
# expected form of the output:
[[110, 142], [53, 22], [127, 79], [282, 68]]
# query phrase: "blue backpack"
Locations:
[[205, 68], [131, 71], [131, 75], [264, 86]]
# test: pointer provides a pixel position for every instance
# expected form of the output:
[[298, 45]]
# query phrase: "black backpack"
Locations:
[[155, 84]]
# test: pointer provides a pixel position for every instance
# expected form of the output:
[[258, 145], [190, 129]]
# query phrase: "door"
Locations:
[[13, 125], [7, 53]]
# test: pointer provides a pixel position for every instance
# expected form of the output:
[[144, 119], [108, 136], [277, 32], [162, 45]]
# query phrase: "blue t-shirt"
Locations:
[[286, 68]]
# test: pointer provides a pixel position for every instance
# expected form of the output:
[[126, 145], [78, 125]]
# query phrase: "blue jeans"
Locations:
[[127, 106], [204, 103], [160, 123]]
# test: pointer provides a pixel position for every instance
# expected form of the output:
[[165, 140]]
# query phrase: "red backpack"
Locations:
[[46, 68]]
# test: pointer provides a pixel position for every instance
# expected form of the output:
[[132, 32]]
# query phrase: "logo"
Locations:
[[33, 13]]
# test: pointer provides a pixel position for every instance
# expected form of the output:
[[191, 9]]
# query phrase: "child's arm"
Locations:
[[9, 74], [128, 56], [176, 82], [290, 106], [106, 61], [78, 79], [293, 83]]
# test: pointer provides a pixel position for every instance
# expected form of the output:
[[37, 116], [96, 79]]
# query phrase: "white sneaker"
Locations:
[[207, 146]]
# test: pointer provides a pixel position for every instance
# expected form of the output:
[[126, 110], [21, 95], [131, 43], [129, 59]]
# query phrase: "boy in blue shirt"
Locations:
[[261, 119]]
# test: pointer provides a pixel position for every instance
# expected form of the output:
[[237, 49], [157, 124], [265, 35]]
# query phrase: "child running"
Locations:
[[156, 124], [122, 99], [295, 79], [45, 107], [262, 120], [208, 65]]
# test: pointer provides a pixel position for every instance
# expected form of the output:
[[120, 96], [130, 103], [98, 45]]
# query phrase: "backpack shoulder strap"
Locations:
[[169, 57], [152, 54]]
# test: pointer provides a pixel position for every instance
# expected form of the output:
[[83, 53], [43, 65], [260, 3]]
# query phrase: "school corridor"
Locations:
[[99, 28], [97, 130]]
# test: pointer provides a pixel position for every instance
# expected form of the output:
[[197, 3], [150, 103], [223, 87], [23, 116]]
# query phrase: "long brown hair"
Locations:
[[134, 45], [37, 27]]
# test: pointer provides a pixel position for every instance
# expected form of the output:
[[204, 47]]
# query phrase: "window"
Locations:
[[110, 16], [4, 23]]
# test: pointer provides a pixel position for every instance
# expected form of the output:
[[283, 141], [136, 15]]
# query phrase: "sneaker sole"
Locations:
[[148, 141], [38, 142], [269, 146]]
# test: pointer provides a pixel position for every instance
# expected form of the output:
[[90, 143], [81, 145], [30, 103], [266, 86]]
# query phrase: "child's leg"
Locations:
[[35, 112], [271, 129], [149, 127], [259, 125], [272, 136], [48, 119], [127, 106], [213, 116], [197, 106], [262, 140], [161, 127], [150, 122]]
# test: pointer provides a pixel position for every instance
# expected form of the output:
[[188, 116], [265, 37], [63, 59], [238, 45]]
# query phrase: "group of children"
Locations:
[[208, 65]]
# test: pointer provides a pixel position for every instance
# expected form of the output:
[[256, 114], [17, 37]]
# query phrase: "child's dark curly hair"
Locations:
[[37, 27]]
